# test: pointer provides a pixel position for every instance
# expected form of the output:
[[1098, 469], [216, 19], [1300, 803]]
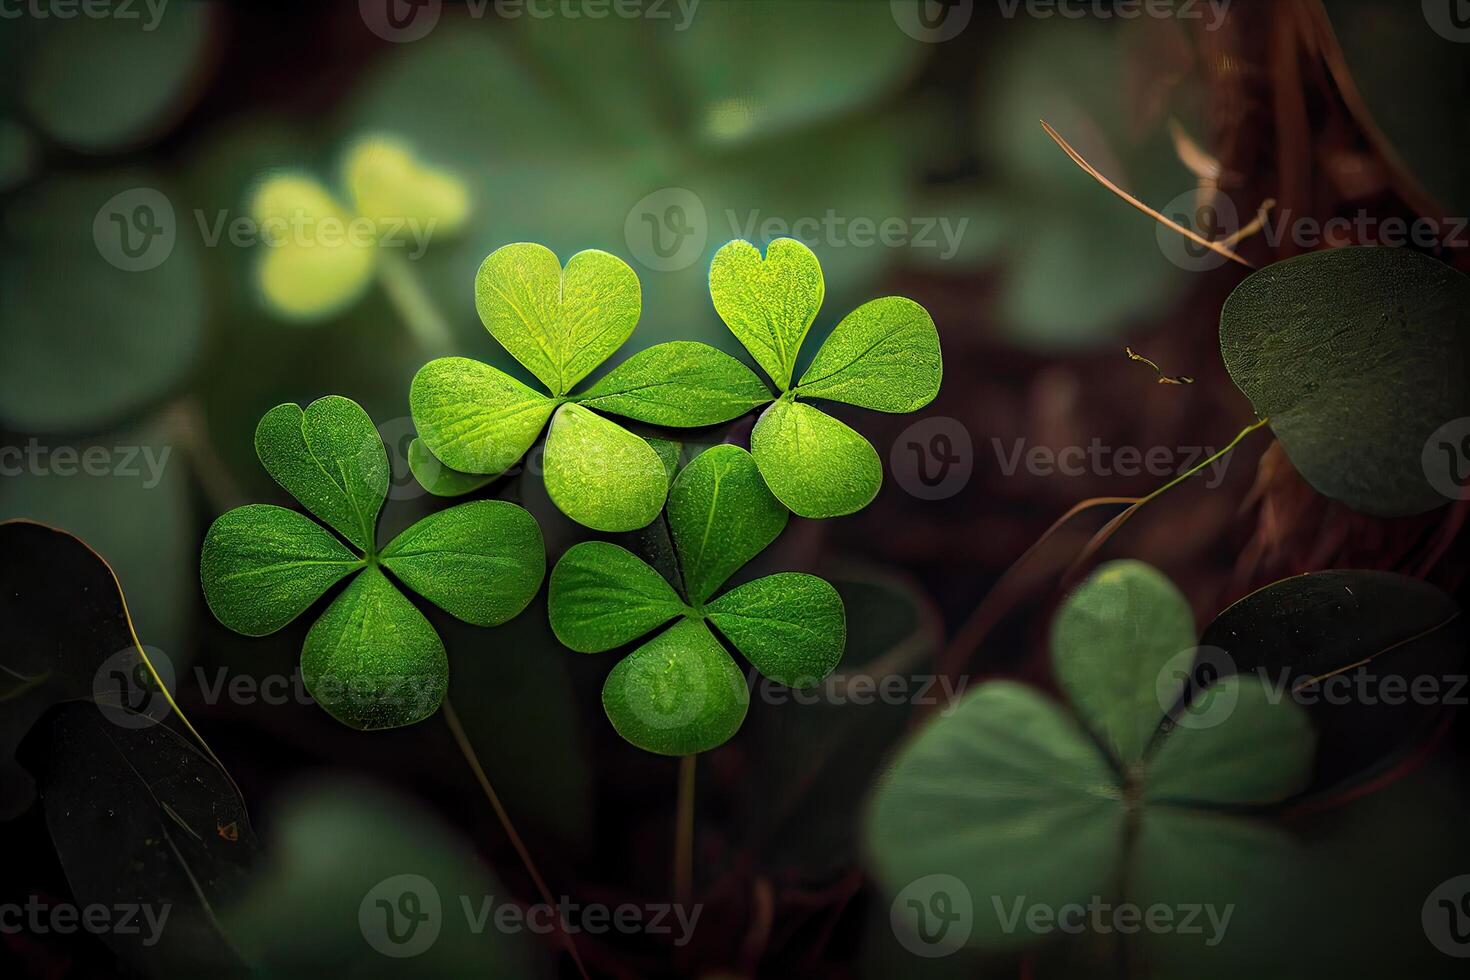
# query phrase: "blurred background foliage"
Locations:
[[562, 129]]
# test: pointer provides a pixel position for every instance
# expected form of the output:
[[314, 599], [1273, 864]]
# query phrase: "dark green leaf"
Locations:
[[1334, 631], [482, 561], [721, 515], [1008, 795], [790, 625], [331, 458], [141, 816], [91, 337], [1260, 751], [372, 660], [1249, 871], [262, 566], [1357, 355], [156, 58], [65, 619], [602, 596]]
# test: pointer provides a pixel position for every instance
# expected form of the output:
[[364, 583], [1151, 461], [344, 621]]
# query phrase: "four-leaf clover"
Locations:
[[321, 254], [680, 692], [1027, 807], [561, 324], [884, 356], [371, 660]]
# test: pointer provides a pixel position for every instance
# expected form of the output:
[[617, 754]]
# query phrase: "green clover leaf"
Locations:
[[680, 383], [1028, 804], [883, 356], [372, 659], [681, 692], [561, 324], [322, 254]]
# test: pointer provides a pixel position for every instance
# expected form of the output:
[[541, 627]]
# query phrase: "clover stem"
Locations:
[[1111, 527], [451, 718], [415, 308], [1128, 953], [684, 832]]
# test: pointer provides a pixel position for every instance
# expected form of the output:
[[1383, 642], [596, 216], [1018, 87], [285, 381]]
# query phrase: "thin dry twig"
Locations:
[[1256, 223], [1097, 175], [1164, 379]]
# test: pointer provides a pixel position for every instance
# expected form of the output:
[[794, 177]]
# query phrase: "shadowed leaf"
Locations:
[[602, 596], [262, 566], [482, 561], [1358, 355], [372, 660]]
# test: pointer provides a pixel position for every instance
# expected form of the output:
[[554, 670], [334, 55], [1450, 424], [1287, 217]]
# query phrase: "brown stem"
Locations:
[[684, 832], [451, 718]]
